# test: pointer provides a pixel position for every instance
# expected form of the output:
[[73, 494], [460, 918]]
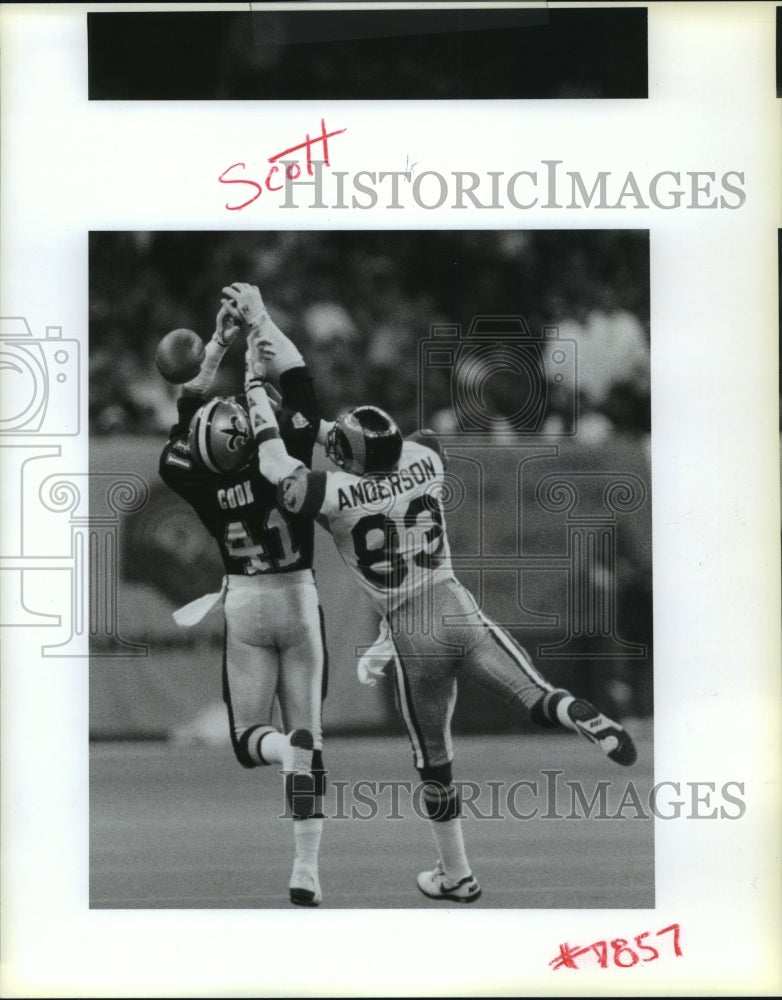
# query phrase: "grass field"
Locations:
[[184, 826]]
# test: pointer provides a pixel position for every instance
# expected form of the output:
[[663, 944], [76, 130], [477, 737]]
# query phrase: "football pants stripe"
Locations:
[[516, 652], [324, 686], [238, 749], [408, 715]]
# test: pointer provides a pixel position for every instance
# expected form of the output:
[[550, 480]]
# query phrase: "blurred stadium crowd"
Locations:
[[358, 304]]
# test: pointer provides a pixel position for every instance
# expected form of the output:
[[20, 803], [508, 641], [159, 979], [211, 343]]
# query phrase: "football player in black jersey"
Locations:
[[274, 638]]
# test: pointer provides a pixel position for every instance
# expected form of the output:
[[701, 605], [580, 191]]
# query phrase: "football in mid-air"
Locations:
[[179, 356]]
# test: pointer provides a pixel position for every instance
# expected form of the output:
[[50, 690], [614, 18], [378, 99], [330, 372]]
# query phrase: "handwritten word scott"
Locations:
[[292, 166]]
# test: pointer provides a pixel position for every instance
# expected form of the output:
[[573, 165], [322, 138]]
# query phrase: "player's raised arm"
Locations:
[[300, 490], [282, 359], [273, 458], [279, 353], [181, 352], [226, 330]]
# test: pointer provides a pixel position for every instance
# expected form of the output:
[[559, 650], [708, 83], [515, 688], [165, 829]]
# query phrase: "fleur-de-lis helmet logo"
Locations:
[[237, 434]]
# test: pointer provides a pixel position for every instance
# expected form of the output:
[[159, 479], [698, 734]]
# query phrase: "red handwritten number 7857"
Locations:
[[622, 954]]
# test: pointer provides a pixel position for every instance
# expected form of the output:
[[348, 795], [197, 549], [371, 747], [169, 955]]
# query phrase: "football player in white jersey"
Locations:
[[383, 511], [274, 641]]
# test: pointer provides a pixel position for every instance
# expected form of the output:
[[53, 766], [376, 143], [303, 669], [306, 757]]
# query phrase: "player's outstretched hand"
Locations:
[[247, 302], [227, 326]]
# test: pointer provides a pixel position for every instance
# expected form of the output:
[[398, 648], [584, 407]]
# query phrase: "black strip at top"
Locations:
[[397, 54]]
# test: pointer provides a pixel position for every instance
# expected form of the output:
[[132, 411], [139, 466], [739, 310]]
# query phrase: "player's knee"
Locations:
[[440, 796]]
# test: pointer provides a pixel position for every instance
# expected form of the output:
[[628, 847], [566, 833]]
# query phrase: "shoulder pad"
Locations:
[[428, 439]]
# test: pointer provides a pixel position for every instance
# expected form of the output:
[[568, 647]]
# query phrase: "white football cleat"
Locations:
[[304, 886], [437, 885]]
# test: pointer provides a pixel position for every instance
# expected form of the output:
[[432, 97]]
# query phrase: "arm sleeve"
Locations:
[[318, 429], [298, 391], [274, 462]]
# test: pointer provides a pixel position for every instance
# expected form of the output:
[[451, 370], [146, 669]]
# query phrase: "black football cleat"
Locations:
[[615, 742]]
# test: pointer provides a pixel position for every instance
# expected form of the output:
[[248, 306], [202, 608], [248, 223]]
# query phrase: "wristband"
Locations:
[[262, 418]]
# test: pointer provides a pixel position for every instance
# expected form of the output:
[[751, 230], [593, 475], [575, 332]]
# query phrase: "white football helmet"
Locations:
[[363, 440]]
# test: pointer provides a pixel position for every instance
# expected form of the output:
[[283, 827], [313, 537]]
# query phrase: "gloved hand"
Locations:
[[246, 301], [273, 348], [226, 325]]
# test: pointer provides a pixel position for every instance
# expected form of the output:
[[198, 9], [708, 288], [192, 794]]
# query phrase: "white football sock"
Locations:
[[450, 845], [272, 746], [562, 717], [307, 834]]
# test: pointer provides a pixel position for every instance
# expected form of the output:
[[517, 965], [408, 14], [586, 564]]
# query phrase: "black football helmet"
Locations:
[[364, 440], [220, 438]]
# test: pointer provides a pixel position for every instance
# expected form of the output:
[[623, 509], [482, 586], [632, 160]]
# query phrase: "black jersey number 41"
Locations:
[[278, 552]]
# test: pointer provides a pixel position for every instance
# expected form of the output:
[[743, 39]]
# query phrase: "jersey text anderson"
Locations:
[[389, 485]]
